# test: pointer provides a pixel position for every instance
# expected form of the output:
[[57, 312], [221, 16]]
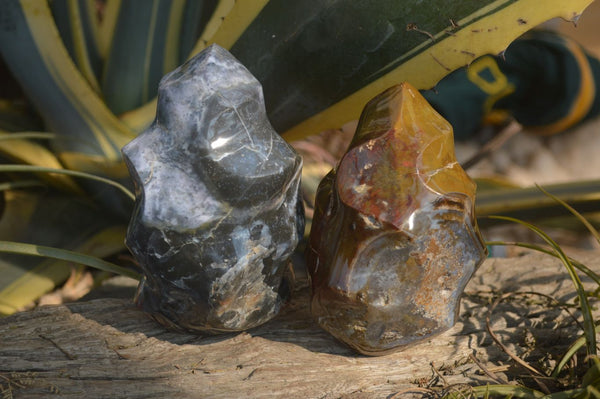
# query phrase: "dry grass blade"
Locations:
[[495, 143], [437, 373], [458, 391], [488, 327], [486, 371], [426, 392], [588, 320], [575, 346], [554, 300], [62, 254]]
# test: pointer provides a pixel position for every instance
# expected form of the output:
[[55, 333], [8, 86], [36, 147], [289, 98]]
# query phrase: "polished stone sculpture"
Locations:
[[394, 239], [217, 212]]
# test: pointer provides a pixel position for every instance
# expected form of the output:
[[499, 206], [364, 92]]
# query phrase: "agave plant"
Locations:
[[90, 68]]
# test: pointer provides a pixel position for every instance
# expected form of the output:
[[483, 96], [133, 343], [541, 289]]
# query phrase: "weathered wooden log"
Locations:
[[106, 348]]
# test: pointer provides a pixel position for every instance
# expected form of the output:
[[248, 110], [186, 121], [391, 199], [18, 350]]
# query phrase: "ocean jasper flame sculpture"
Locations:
[[217, 212], [394, 239]]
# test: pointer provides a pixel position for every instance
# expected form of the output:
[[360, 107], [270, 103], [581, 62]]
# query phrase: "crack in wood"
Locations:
[[65, 352]]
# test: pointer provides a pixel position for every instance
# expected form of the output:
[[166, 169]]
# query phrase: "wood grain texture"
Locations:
[[106, 348]]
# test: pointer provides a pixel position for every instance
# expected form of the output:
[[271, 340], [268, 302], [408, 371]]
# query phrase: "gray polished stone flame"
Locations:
[[217, 212]]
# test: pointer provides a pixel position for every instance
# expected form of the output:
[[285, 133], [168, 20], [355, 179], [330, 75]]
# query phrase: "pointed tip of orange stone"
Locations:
[[398, 106], [403, 96], [407, 87], [412, 105], [402, 112], [407, 91]]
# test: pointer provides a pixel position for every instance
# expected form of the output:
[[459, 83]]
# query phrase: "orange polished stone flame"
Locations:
[[394, 238]]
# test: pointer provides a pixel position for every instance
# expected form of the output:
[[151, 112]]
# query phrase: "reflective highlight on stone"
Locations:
[[394, 239], [217, 212]]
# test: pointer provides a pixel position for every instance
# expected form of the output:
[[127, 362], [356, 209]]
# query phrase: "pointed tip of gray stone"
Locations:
[[212, 72], [213, 69]]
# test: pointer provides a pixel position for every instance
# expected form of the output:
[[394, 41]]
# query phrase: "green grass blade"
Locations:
[[592, 376], [575, 213], [14, 148], [12, 185], [588, 320], [38, 169], [513, 391], [65, 255], [52, 219], [580, 266], [573, 348], [28, 136], [593, 391], [578, 393]]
